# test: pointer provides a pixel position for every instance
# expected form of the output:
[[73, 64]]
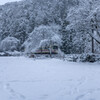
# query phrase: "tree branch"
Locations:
[[95, 39]]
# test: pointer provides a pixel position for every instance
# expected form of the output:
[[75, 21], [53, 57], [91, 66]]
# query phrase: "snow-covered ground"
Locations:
[[49, 79]]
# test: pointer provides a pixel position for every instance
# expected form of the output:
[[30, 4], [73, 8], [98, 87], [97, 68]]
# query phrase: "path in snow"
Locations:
[[48, 79]]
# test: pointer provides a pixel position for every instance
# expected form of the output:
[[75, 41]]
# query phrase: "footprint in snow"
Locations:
[[13, 94]]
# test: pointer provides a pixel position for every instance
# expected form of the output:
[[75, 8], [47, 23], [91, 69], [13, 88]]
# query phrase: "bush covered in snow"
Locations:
[[83, 57], [9, 44], [88, 58]]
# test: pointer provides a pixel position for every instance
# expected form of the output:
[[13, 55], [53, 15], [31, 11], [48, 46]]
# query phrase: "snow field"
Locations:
[[48, 79]]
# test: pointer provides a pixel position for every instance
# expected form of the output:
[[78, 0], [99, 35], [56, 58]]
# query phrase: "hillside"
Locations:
[[75, 22]]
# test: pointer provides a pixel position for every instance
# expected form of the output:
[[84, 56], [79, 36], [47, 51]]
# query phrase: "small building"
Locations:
[[47, 50]]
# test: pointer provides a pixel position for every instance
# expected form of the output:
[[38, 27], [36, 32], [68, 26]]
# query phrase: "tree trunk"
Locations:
[[92, 45]]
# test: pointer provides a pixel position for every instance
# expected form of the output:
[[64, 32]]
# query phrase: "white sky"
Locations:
[[5, 1]]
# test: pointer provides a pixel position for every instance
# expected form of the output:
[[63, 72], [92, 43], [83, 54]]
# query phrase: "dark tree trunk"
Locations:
[[92, 45]]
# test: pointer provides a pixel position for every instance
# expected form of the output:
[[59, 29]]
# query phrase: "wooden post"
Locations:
[[50, 49]]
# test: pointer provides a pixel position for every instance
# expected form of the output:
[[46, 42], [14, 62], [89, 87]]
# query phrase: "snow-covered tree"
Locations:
[[9, 44], [40, 36], [81, 20]]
